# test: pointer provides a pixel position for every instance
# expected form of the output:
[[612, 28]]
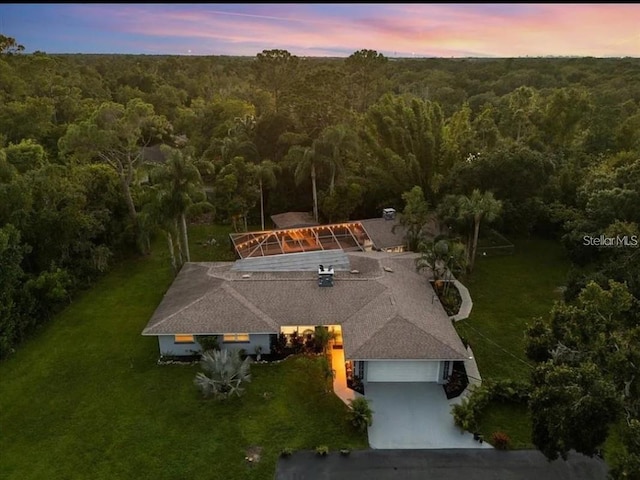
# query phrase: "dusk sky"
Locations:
[[404, 30]]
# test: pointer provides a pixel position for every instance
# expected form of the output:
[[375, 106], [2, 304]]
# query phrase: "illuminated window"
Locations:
[[184, 339], [235, 337]]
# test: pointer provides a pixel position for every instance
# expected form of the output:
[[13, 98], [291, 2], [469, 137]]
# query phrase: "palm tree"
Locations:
[[360, 413], [456, 260], [478, 207], [414, 216], [224, 373], [236, 146], [444, 258], [433, 256], [181, 184], [239, 140], [323, 337], [156, 213], [265, 173], [306, 160], [335, 142]]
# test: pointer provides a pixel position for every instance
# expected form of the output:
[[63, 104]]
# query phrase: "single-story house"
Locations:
[[392, 325]]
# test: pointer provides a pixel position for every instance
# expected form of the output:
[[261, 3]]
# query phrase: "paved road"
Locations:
[[455, 464]]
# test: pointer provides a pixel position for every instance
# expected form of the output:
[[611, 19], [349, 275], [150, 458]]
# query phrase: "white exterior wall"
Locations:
[[404, 371], [168, 346]]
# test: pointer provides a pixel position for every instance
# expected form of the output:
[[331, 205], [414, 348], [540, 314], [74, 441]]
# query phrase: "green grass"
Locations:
[[614, 448], [84, 398], [508, 292], [201, 252], [513, 419]]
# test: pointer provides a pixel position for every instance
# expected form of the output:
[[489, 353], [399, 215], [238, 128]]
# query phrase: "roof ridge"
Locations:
[[424, 328], [404, 320], [417, 322], [383, 323], [436, 337], [199, 299]]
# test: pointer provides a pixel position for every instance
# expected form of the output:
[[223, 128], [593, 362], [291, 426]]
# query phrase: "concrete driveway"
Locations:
[[414, 416]]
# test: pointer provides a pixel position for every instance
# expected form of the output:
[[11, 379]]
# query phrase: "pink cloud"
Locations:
[[423, 29]]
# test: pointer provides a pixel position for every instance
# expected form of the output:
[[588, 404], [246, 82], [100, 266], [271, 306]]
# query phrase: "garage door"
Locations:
[[402, 371]]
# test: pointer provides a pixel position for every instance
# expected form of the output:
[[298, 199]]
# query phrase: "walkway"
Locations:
[[470, 365], [340, 379], [466, 305]]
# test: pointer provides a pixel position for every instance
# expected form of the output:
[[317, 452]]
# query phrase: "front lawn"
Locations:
[[508, 292], [84, 397]]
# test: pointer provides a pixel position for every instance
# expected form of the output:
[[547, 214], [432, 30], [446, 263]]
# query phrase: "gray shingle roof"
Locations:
[[293, 220], [384, 315], [381, 232], [383, 236]]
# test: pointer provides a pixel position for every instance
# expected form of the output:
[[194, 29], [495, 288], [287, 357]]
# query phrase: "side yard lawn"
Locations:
[[508, 292], [84, 398]]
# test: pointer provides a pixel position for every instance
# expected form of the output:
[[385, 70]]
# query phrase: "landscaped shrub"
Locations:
[[286, 452], [457, 381], [297, 342], [500, 440], [355, 383], [360, 413], [224, 374], [171, 359], [466, 415], [508, 390], [309, 343], [451, 301], [278, 344], [327, 370], [321, 338], [208, 342], [322, 450]]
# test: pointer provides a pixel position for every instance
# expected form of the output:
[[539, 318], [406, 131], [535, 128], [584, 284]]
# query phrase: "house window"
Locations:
[[360, 369], [184, 339], [235, 337]]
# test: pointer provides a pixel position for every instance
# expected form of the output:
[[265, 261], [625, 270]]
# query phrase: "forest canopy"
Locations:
[[99, 153]]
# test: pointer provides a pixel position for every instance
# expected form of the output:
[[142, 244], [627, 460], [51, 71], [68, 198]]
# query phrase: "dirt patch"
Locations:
[[253, 454]]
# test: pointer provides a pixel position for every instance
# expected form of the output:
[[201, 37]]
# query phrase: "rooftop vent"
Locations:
[[388, 213], [325, 276]]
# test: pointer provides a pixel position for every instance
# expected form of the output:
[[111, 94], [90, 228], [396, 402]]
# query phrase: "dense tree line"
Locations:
[[98, 153]]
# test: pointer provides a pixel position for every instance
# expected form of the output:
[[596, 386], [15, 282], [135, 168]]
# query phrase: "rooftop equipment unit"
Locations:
[[388, 213], [325, 276]]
